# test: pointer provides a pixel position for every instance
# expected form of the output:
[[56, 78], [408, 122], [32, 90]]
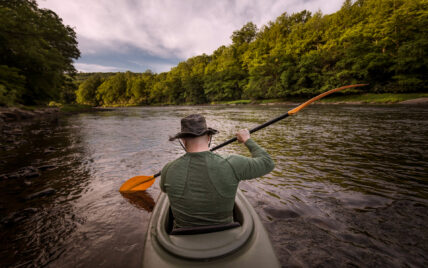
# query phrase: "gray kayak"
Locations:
[[247, 245]]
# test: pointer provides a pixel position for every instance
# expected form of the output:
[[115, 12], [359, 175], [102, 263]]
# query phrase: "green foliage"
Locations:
[[380, 42], [224, 78], [12, 84], [36, 45], [140, 88], [54, 104], [113, 90], [86, 94]]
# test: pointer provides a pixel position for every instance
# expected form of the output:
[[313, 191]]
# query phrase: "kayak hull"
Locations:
[[247, 245]]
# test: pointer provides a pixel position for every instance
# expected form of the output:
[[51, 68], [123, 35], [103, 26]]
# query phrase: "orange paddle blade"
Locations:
[[137, 183], [303, 105]]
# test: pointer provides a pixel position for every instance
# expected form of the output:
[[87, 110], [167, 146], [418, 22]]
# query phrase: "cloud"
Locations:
[[89, 68], [169, 29], [129, 57]]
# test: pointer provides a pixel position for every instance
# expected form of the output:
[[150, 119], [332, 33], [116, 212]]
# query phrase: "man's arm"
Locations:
[[260, 163], [163, 177]]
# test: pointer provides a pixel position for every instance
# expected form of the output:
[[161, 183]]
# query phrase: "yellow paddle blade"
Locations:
[[137, 183], [303, 105]]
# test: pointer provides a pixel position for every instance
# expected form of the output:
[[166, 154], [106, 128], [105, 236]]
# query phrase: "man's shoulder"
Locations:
[[174, 162], [223, 157], [233, 160]]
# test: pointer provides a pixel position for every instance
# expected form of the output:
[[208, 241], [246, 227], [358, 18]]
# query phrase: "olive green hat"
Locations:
[[193, 125]]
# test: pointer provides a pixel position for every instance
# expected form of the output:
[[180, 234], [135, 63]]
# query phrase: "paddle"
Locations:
[[141, 183]]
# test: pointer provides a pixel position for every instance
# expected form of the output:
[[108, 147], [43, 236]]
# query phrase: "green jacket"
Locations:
[[202, 186]]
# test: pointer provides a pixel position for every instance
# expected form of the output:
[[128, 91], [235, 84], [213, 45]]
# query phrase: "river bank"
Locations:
[[17, 114], [14, 121], [367, 98]]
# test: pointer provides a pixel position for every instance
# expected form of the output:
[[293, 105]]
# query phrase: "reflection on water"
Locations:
[[141, 200], [350, 185]]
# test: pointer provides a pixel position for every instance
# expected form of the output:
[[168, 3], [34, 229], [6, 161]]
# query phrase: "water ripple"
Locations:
[[350, 187]]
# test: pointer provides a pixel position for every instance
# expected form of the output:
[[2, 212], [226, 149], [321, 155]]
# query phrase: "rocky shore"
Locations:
[[12, 115], [416, 101], [13, 122]]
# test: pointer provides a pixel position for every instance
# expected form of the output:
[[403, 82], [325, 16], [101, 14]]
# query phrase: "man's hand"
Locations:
[[243, 135]]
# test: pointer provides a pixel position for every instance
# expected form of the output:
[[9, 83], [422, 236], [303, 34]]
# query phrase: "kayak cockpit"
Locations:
[[237, 216], [204, 229], [223, 240], [246, 245]]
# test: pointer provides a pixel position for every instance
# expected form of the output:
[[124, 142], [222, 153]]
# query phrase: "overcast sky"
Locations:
[[136, 35]]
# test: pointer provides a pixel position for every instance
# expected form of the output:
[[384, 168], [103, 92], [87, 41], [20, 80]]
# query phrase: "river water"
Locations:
[[350, 186]]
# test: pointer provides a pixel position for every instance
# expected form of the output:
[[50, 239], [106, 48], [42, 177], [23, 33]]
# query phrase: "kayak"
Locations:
[[242, 244]]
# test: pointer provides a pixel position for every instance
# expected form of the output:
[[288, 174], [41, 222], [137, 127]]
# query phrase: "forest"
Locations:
[[380, 42], [36, 55]]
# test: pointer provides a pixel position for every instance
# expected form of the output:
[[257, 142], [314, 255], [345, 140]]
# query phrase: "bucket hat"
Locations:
[[193, 125]]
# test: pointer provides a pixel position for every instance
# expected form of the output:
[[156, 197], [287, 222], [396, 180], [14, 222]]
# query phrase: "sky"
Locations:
[[136, 35]]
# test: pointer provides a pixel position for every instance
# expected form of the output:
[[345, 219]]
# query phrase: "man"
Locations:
[[202, 185]]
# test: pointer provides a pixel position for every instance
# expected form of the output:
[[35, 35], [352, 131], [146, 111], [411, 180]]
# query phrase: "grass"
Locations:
[[233, 102], [75, 108], [374, 98], [271, 101], [339, 98]]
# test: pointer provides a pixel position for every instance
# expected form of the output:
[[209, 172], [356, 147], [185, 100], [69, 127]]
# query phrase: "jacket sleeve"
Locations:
[[260, 163]]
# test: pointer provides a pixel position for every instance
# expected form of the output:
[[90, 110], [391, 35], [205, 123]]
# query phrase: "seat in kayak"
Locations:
[[195, 246], [201, 229], [204, 229]]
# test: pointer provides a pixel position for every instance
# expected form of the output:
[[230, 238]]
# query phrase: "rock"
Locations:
[[9, 116], [28, 183], [10, 219], [45, 192], [27, 172], [28, 211], [49, 150], [26, 114], [21, 114], [12, 175], [18, 216], [415, 101], [16, 114], [47, 167]]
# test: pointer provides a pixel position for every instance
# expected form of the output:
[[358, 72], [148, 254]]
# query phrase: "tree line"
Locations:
[[380, 42], [36, 55]]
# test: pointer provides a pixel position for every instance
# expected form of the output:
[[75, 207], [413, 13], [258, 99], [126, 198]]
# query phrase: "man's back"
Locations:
[[202, 186]]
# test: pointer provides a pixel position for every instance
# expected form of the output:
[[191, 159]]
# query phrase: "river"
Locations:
[[350, 186]]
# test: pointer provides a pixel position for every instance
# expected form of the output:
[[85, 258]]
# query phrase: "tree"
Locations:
[[12, 84], [36, 44], [87, 92], [113, 90]]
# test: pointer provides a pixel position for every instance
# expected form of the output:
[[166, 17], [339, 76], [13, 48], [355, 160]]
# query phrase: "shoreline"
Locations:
[[415, 101], [10, 115], [17, 114]]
